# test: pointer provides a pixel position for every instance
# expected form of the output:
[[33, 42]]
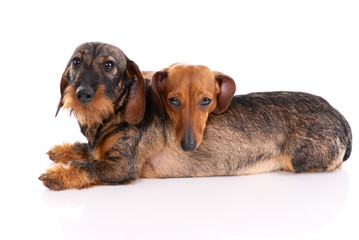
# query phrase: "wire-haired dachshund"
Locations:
[[128, 139]]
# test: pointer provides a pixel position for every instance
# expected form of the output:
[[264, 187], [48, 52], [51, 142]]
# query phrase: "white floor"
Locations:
[[309, 46], [279, 205]]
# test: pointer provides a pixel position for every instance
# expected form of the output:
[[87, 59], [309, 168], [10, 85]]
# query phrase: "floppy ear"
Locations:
[[227, 89], [135, 106], [156, 102], [63, 84]]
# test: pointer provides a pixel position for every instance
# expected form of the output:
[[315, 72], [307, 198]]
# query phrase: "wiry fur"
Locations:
[[101, 107], [259, 132]]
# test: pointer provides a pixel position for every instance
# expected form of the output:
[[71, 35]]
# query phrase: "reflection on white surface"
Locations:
[[274, 204]]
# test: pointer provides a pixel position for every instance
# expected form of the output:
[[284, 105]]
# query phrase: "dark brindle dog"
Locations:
[[259, 132]]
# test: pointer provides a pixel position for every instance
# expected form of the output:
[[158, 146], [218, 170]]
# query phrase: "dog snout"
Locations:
[[84, 94], [188, 142]]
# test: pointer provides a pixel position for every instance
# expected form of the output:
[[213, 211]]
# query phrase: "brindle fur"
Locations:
[[259, 132]]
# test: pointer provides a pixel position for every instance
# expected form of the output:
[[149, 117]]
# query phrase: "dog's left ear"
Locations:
[[135, 106], [63, 84], [227, 89]]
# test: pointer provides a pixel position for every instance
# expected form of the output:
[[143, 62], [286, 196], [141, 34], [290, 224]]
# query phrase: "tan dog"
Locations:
[[189, 93], [127, 139]]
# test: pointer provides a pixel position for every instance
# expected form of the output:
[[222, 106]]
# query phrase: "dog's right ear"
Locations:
[[156, 80], [63, 84]]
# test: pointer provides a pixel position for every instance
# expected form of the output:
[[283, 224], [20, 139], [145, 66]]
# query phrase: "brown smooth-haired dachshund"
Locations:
[[188, 94], [259, 132]]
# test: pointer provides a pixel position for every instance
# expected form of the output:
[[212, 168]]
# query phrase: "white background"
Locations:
[[310, 46]]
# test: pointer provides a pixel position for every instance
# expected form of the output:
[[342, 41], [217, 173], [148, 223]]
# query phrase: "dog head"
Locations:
[[100, 80], [188, 93]]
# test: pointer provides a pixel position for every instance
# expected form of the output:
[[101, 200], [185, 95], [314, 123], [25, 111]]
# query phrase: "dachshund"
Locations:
[[189, 93], [128, 139]]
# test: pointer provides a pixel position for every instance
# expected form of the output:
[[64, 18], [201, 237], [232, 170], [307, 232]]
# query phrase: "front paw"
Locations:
[[61, 153], [53, 179], [61, 177]]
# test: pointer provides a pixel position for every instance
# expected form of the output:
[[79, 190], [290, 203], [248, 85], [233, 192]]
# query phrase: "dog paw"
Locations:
[[65, 177], [61, 153], [53, 179], [67, 152]]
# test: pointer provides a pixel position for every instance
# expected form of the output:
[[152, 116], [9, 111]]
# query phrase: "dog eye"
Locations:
[[109, 65], [76, 61], [205, 102], [174, 102]]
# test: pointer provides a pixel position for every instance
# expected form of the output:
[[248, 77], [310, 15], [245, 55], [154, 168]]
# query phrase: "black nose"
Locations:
[[188, 143], [84, 95], [188, 146]]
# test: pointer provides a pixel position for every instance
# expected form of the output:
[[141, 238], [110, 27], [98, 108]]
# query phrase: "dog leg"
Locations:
[[312, 156], [67, 152], [63, 177], [83, 174]]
